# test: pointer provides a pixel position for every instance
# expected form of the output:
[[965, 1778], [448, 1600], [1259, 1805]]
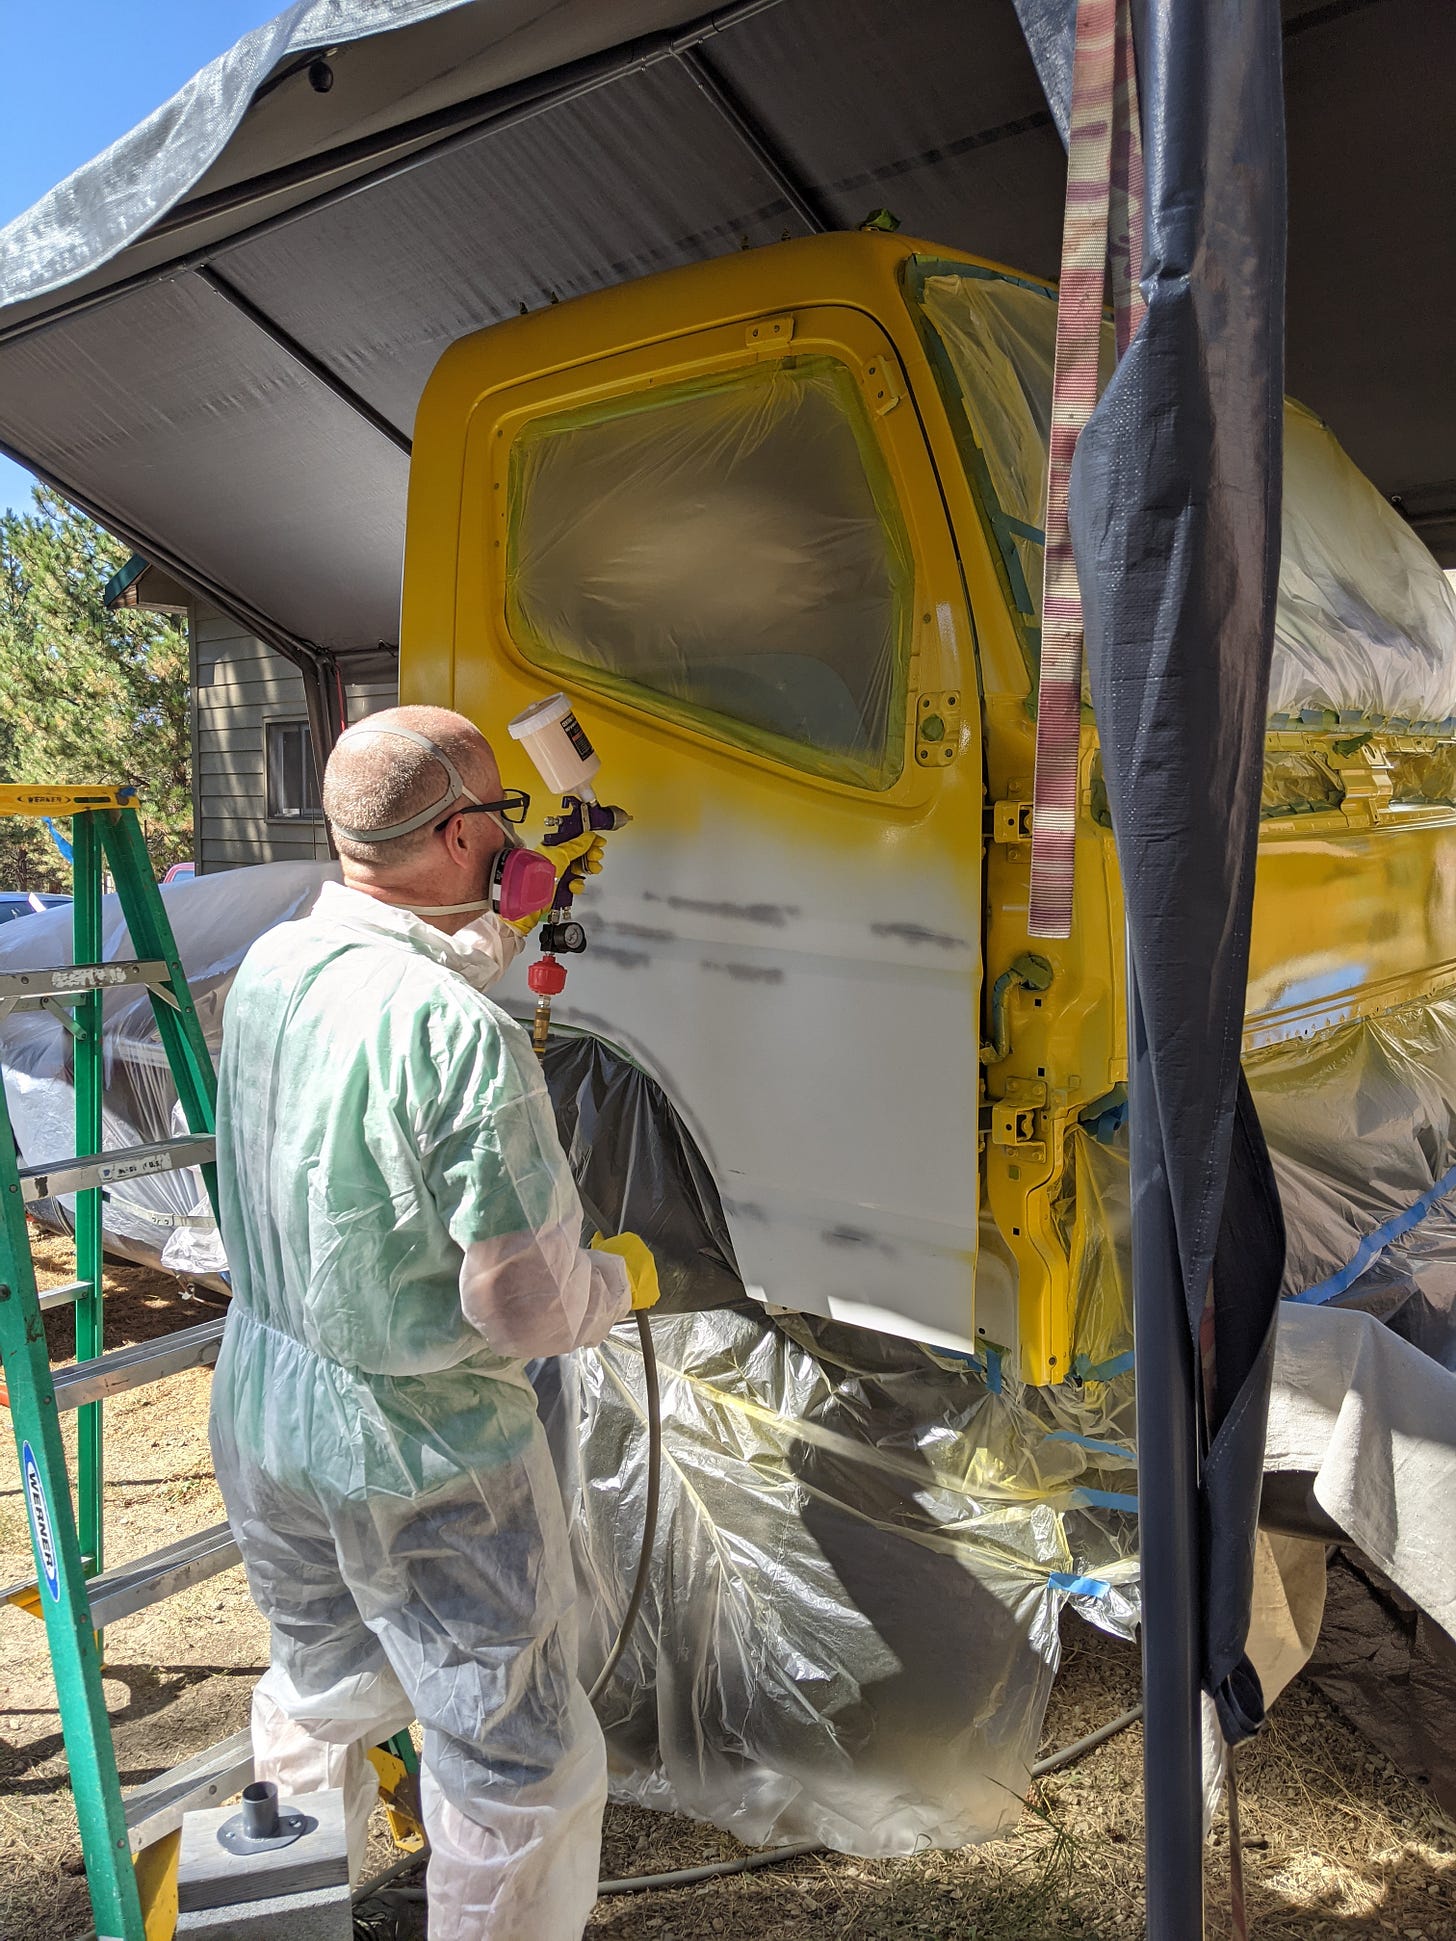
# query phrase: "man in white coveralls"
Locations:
[[404, 1234]]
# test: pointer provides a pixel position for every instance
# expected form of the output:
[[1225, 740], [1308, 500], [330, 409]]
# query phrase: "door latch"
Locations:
[[1016, 1120], [1009, 822]]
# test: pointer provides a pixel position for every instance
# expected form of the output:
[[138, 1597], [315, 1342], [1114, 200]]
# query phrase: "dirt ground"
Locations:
[[1336, 1843]]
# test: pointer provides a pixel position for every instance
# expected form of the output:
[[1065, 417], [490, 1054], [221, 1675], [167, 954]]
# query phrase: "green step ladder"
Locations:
[[74, 1591], [128, 1839]]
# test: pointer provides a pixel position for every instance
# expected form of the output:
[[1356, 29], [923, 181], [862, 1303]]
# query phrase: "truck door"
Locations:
[[728, 547]]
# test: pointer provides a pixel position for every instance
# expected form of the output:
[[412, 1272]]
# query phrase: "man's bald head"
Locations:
[[376, 780]]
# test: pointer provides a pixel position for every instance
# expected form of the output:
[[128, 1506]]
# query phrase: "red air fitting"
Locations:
[[546, 977]]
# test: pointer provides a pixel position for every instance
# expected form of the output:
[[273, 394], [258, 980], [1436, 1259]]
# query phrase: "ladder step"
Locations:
[[134, 1367], [155, 1808], [110, 1168], [20, 988], [63, 1296], [173, 1569], [127, 1588]]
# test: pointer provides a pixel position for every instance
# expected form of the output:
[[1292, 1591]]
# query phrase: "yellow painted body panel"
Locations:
[[869, 1095], [156, 1872]]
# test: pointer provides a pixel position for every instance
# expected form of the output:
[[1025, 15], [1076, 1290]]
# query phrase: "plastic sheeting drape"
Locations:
[[1365, 620], [851, 1625], [158, 1219], [864, 1547]]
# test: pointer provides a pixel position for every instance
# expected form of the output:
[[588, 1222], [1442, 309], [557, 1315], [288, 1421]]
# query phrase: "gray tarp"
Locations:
[[1175, 513], [173, 412]]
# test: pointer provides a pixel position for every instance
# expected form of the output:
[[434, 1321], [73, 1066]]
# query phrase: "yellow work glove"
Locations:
[[575, 860], [580, 858], [641, 1267]]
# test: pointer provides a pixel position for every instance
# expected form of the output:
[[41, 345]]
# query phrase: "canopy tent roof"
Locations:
[[215, 335]]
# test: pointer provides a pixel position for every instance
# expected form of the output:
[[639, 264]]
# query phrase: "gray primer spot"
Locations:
[[642, 931], [776, 915], [749, 973], [916, 933], [857, 1237], [627, 959]]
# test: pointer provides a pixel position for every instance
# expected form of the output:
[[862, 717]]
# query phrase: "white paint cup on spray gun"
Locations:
[[558, 747]]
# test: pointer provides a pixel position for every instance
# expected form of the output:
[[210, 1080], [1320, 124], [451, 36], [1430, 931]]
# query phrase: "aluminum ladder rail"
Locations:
[[74, 1591]]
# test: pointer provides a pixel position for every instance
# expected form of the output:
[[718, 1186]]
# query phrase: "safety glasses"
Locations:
[[512, 807]]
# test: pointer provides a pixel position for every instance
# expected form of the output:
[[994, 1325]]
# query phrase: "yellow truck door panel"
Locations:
[[727, 544]]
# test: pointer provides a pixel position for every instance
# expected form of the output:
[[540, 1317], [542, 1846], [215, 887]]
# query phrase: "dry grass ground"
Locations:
[[1337, 1845]]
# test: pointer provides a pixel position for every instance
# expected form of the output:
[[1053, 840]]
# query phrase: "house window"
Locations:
[[293, 794], [727, 552]]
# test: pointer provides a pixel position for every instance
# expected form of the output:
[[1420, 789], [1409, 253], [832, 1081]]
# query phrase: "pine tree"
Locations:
[[86, 695]]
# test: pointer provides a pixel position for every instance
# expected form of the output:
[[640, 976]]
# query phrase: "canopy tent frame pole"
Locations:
[[750, 134], [314, 664], [1170, 1564], [304, 357]]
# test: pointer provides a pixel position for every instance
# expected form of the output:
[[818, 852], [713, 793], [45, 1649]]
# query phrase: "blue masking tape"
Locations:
[[1101, 1371], [1105, 1499], [1090, 1442], [1375, 1244]]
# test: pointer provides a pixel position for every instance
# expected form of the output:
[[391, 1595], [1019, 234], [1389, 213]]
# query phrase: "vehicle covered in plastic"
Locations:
[[772, 522]]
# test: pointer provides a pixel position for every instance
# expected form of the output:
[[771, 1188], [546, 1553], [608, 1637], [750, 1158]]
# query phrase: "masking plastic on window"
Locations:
[[997, 337], [728, 553], [1365, 625]]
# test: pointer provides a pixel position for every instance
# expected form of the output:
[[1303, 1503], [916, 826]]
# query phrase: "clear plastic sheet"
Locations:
[[1297, 782], [851, 1626], [1365, 626], [732, 545], [161, 1219], [1362, 1129], [1366, 622]]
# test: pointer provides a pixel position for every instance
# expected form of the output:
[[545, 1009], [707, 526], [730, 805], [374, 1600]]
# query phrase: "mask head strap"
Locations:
[[455, 787]]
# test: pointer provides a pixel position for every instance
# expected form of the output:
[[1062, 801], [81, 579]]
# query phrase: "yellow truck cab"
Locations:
[[773, 523]]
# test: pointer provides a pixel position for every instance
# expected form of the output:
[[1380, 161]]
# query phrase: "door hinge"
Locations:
[[938, 728]]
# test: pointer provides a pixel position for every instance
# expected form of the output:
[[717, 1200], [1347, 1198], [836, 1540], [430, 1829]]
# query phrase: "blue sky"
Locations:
[[75, 74]]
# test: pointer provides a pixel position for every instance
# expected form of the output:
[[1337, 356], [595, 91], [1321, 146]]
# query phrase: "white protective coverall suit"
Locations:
[[404, 1233]]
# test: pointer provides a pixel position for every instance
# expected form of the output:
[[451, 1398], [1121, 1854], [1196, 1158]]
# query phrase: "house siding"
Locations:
[[239, 685]]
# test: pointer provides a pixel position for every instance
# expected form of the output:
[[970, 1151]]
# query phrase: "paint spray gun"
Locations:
[[566, 762]]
